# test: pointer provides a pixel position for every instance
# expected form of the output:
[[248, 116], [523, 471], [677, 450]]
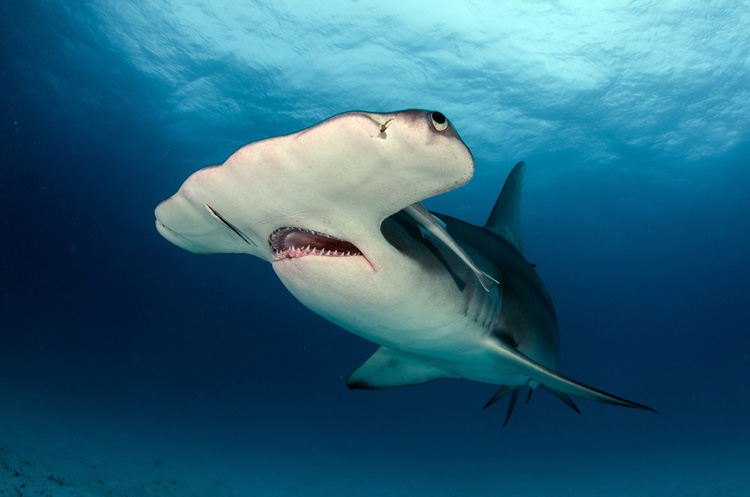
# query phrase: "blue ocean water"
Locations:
[[131, 367]]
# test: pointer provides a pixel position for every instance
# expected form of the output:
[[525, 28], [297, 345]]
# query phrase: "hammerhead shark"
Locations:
[[336, 209]]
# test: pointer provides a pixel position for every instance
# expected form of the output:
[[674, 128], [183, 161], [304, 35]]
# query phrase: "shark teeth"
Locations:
[[292, 243], [296, 253]]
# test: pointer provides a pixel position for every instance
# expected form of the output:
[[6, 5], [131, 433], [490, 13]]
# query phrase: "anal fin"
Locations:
[[388, 368]]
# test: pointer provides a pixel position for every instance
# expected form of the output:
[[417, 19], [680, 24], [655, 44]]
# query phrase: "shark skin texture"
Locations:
[[335, 209]]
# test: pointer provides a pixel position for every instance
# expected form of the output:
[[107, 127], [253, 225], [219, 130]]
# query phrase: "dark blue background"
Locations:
[[640, 233]]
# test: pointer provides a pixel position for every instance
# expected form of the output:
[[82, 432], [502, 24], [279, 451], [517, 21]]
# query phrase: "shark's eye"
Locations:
[[439, 122]]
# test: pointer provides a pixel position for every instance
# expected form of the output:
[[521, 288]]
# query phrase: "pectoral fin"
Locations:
[[388, 368], [432, 227]]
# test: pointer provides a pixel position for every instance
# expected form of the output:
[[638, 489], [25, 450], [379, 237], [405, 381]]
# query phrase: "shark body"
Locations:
[[335, 209]]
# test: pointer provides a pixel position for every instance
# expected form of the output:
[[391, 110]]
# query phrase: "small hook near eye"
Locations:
[[385, 125]]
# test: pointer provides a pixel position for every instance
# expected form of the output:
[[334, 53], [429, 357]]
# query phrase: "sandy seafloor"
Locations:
[[38, 459], [129, 367], [59, 449]]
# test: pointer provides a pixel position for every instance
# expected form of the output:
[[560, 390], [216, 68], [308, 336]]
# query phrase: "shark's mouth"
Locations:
[[293, 243]]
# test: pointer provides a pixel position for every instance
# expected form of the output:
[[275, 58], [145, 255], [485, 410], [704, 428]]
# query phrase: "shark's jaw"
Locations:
[[293, 243], [357, 278]]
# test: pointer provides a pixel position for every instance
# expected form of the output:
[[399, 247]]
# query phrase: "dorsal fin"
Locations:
[[505, 219]]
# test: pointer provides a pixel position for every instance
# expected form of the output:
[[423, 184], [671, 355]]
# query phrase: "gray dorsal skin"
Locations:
[[325, 207], [431, 225]]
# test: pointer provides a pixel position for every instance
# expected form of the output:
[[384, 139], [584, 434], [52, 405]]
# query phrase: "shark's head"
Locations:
[[313, 202]]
